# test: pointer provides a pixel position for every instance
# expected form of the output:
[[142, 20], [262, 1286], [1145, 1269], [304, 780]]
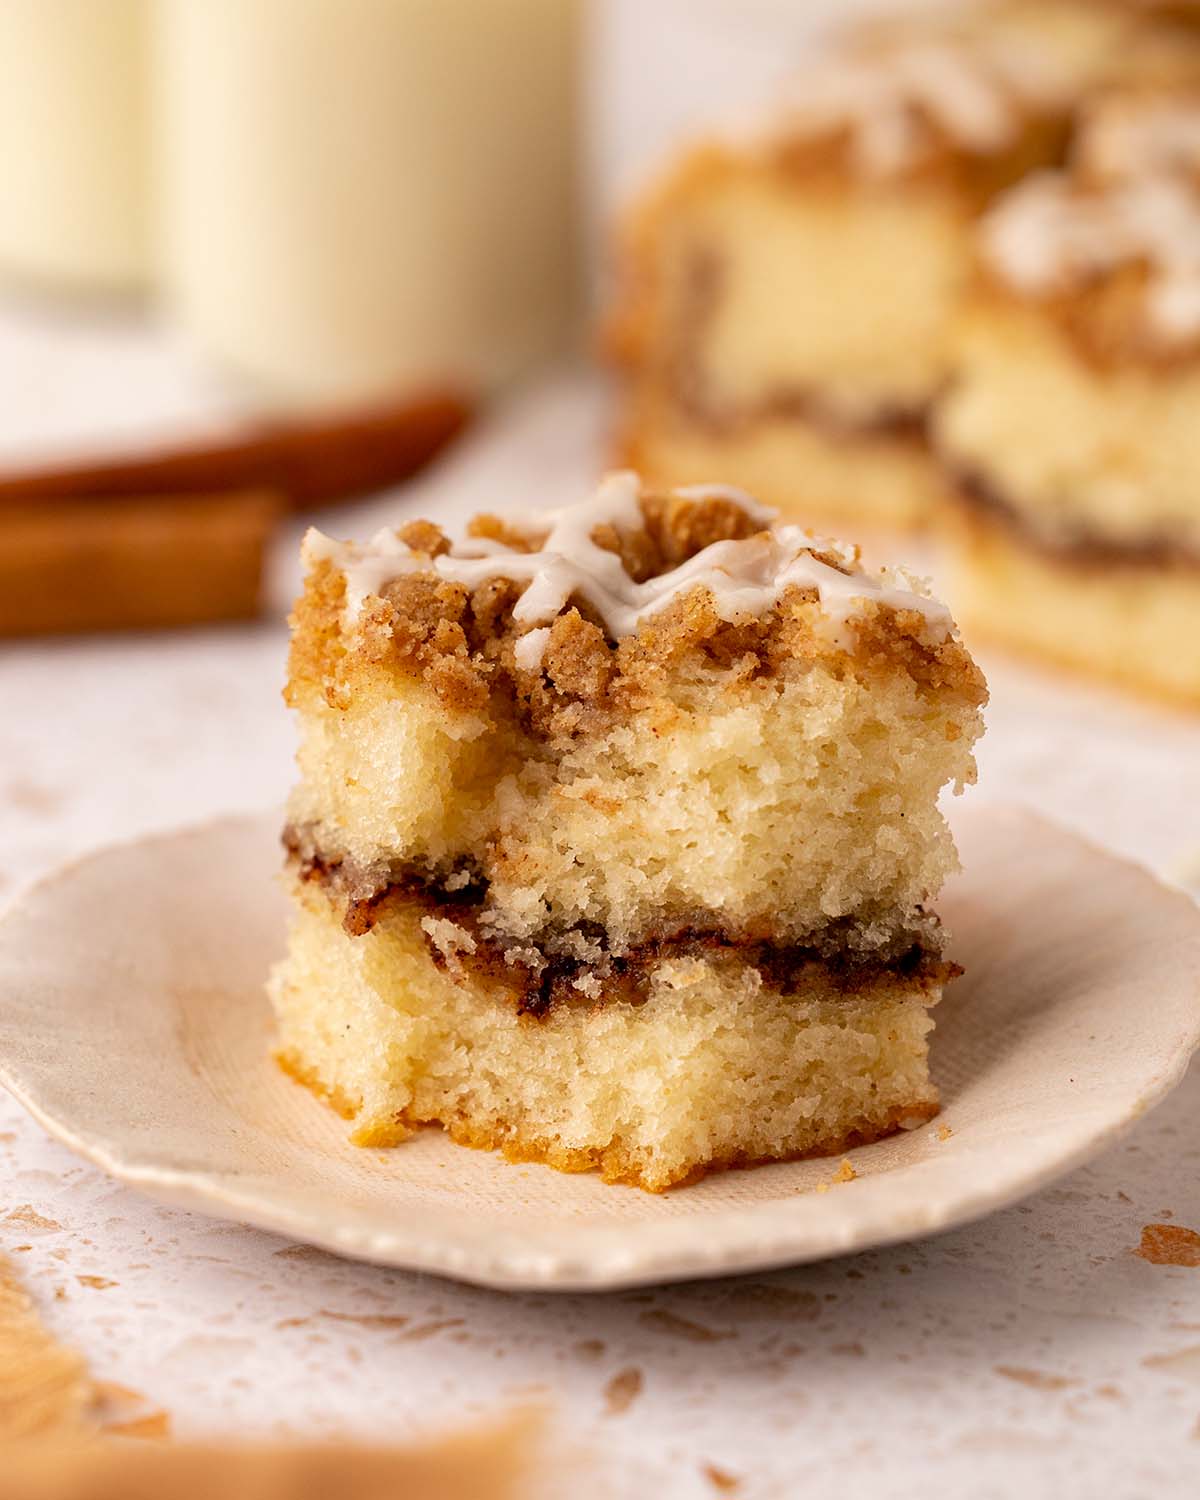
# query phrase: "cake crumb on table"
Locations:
[[1169, 1245]]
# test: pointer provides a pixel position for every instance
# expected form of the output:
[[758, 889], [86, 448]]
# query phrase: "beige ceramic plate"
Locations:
[[133, 1025]]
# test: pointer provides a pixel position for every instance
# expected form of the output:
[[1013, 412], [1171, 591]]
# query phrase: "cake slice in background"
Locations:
[[617, 833], [1146, 129], [1072, 432], [785, 294]]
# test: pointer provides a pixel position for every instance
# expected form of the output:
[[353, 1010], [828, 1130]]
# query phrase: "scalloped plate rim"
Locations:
[[599, 1259]]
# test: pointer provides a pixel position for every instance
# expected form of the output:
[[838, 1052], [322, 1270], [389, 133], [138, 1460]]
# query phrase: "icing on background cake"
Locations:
[[1126, 136], [892, 99], [1052, 234]]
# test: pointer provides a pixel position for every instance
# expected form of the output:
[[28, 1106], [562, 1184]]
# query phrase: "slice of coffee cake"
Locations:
[[785, 294], [616, 834], [1072, 430]]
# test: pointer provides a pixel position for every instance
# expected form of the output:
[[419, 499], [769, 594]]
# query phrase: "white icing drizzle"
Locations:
[[366, 569], [744, 578], [1052, 232], [531, 648], [972, 90]]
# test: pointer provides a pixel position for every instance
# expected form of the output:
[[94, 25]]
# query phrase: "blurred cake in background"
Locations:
[[1147, 129], [786, 295], [1072, 431]]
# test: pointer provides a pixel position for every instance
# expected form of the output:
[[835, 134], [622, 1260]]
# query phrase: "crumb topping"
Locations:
[[585, 614], [602, 553], [1069, 541], [1130, 249]]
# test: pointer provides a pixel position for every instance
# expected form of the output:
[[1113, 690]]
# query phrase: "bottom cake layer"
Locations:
[[1134, 622], [708, 1067], [808, 472]]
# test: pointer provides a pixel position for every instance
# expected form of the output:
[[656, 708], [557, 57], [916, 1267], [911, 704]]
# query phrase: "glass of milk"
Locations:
[[73, 175], [368, 195]]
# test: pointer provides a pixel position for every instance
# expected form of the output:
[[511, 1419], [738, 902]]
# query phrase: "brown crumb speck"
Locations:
[[622, 1390], [662, 1320], [32, 797], [721, 1479], [578, 659], [364, 1320], [429, 1330], [1038, 1380], [1169, 1245], [26, 1215], [156, 1425], [844, 1173], [1184, 1362], [770, 1301], [307, 1253], [99, 1283], [424, 536]]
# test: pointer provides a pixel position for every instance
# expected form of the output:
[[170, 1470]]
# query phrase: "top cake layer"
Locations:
[[640, 715]]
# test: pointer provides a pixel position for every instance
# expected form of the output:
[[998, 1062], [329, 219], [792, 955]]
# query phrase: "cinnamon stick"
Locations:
[[311, 462], [133, 562], [177, 535]]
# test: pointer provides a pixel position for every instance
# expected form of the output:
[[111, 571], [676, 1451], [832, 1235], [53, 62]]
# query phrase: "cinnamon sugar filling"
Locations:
[[577, 967], [1074, 544]]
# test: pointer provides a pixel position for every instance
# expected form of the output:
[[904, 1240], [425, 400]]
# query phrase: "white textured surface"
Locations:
[[1030, 1354]]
